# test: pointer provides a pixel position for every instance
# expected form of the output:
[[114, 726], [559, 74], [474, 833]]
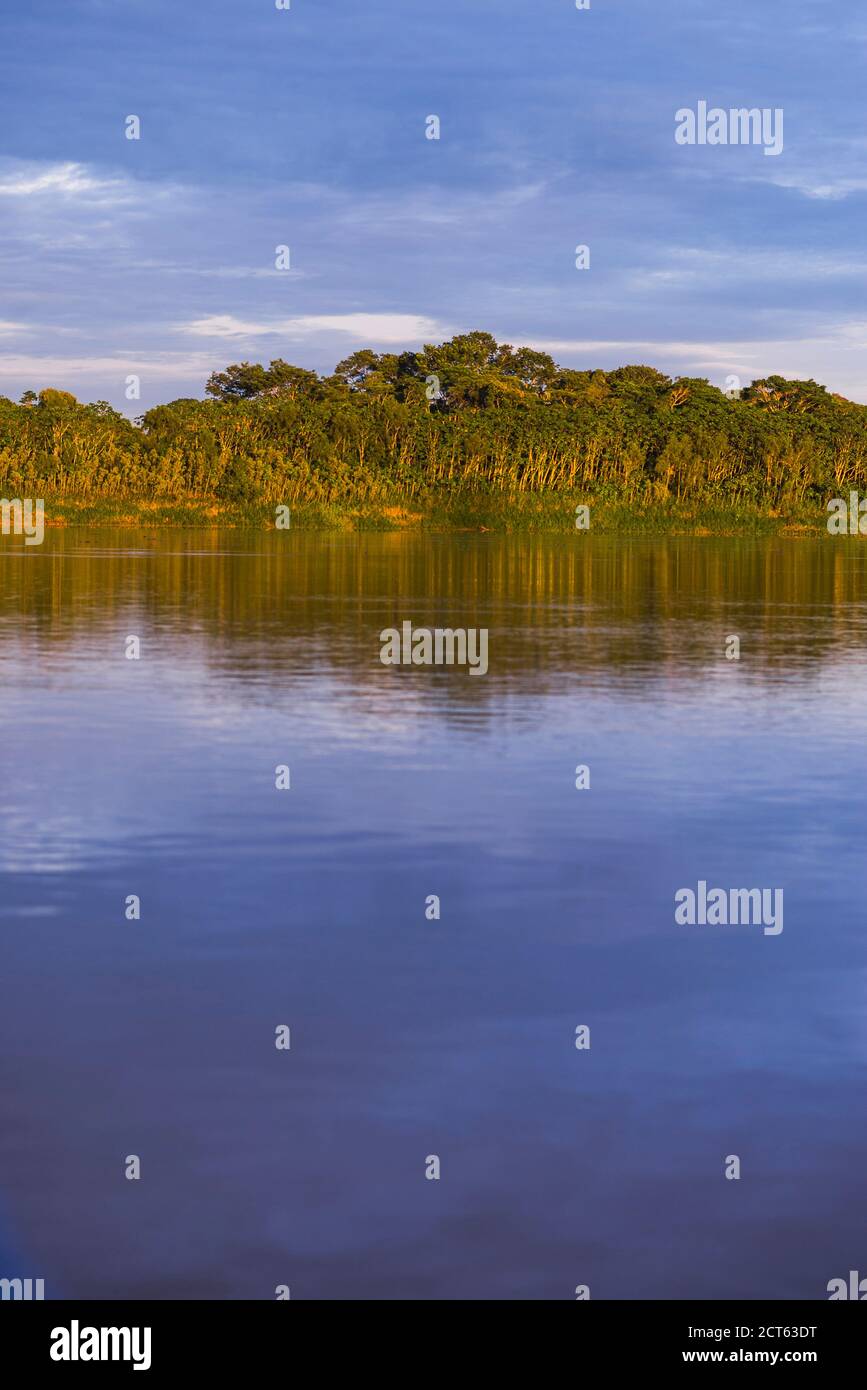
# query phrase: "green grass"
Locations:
[[459, 511]]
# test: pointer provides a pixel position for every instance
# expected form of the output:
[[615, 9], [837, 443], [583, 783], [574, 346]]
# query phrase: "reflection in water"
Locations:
[[411, 1037]]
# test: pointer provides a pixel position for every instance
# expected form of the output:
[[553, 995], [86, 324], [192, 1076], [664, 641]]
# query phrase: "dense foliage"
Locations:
[[470, 414]]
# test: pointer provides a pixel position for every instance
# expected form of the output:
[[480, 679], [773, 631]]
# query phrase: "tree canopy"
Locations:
[[470, 413]]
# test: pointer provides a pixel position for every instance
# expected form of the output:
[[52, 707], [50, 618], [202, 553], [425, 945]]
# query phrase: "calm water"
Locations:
[[410, 1037]]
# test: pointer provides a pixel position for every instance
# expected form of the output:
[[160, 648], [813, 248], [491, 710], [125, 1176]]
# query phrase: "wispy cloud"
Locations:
[[699, 265], [436, 208], [220, 272], [69, 182], [825, 168], [54, 370], [818, 185], [367, 328], [77, 208]]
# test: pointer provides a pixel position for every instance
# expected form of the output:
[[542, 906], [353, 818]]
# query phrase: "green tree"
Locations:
[[250, 380], [50, 399]]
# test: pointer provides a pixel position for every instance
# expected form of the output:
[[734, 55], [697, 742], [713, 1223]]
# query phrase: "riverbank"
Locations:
[[468, 435], [462, 512]]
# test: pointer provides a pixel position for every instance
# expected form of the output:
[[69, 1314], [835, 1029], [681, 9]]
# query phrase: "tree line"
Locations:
[[469, 415]]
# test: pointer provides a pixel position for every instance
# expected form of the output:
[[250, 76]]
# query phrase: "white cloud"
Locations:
[[579, 346], [69, 181], [220, 272], [817, 186], [697, 265], [374, 328], [74, 207], [825, 169], [434, 208], [52, 370]]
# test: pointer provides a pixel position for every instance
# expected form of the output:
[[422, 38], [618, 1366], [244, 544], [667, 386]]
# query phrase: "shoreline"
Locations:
[[553, 514]]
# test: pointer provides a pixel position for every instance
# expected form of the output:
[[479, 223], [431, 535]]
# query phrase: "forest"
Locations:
[[470, 418]]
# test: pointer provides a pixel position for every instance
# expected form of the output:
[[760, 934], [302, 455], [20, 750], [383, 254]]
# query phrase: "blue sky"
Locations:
[[306, 127]]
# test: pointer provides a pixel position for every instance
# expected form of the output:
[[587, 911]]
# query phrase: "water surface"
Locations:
[[410, 1037]]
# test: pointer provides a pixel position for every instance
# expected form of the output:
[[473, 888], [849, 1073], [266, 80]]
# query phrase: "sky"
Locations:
[[307, 127]]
